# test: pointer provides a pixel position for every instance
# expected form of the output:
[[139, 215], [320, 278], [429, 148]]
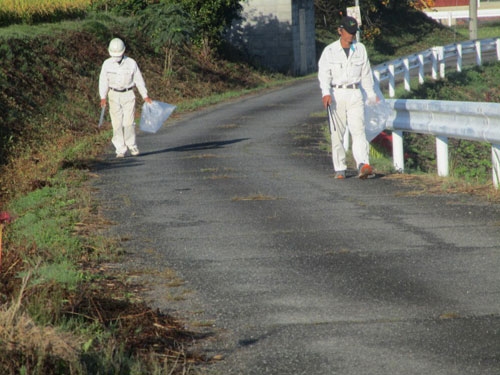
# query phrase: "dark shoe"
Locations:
[[340, 175], [364, 171]]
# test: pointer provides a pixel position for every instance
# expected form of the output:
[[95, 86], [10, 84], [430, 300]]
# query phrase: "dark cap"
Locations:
[[349, 24]]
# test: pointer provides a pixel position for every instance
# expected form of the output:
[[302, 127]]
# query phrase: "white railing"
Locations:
[[463, 120], [445, 119], [451, 15], [434, 59]]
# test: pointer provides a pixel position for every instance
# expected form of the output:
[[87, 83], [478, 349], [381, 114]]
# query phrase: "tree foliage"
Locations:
[[168, 26], [422, 4], [212, 17], [375, 14]]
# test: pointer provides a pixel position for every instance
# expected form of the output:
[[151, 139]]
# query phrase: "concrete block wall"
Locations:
[[278, 34]]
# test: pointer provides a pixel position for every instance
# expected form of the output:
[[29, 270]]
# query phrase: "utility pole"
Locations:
[[358, 35], [473, 19]]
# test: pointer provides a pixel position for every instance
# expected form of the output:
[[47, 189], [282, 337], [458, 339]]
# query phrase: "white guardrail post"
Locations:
[[459, 57], [442, 156], [406, 64], [477, 44], [421, 74], [435, 58], [398, 155], [442, 61], [474, 121], [495, 156], [392, 81]]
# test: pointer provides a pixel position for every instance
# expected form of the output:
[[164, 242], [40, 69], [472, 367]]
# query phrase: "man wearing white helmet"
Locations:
[[119, 75]]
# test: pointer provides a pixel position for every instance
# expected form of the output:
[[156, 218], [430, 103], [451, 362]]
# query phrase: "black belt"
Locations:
[[124, 90], [351, 86]]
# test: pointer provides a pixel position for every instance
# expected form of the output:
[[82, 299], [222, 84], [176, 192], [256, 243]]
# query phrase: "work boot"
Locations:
[[340, 175], [364, 170]]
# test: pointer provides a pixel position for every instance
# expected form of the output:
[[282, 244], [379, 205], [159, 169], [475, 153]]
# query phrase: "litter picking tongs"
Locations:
[[331, 120], [101, 119]]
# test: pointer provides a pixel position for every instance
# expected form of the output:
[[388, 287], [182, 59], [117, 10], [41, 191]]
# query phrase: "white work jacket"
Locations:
[[335, 68], [121, 76]]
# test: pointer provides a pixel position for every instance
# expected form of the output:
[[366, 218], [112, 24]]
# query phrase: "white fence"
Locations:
[[463, 120], [461, 14]]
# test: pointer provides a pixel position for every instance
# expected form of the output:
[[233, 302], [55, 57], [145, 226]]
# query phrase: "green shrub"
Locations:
[[63, 274], [99, 29], [212, 17], [120, 7], [168, 27]]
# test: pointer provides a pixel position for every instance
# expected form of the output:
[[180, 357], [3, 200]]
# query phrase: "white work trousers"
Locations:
[[348, 110], [122, 111]]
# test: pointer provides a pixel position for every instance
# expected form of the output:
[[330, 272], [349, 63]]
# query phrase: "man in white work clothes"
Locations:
[[119, 75], [343, 70]]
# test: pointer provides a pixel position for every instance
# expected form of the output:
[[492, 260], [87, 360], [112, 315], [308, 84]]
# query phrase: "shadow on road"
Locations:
[[197, 146], [136, 161]]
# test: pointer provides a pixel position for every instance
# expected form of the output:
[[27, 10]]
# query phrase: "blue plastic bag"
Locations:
[[154, 115]]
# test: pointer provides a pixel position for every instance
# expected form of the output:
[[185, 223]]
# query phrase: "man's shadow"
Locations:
[[136, 160], [197, 146]]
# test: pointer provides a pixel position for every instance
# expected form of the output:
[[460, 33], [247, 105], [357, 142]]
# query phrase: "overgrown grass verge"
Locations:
[[63, 312]]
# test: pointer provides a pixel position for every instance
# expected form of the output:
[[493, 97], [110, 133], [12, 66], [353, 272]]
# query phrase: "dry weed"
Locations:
[[19, 333], [201, 156], [426, 184], [217, 177], [254, 197]]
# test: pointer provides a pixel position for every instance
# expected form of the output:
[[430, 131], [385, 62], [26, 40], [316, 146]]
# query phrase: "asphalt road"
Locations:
[[233, 220]]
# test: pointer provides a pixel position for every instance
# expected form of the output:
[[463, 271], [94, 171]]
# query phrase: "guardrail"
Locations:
[[434, 58], [444, 119]]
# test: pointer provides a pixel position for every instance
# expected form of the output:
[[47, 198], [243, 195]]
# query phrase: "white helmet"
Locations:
[[116, 47]]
